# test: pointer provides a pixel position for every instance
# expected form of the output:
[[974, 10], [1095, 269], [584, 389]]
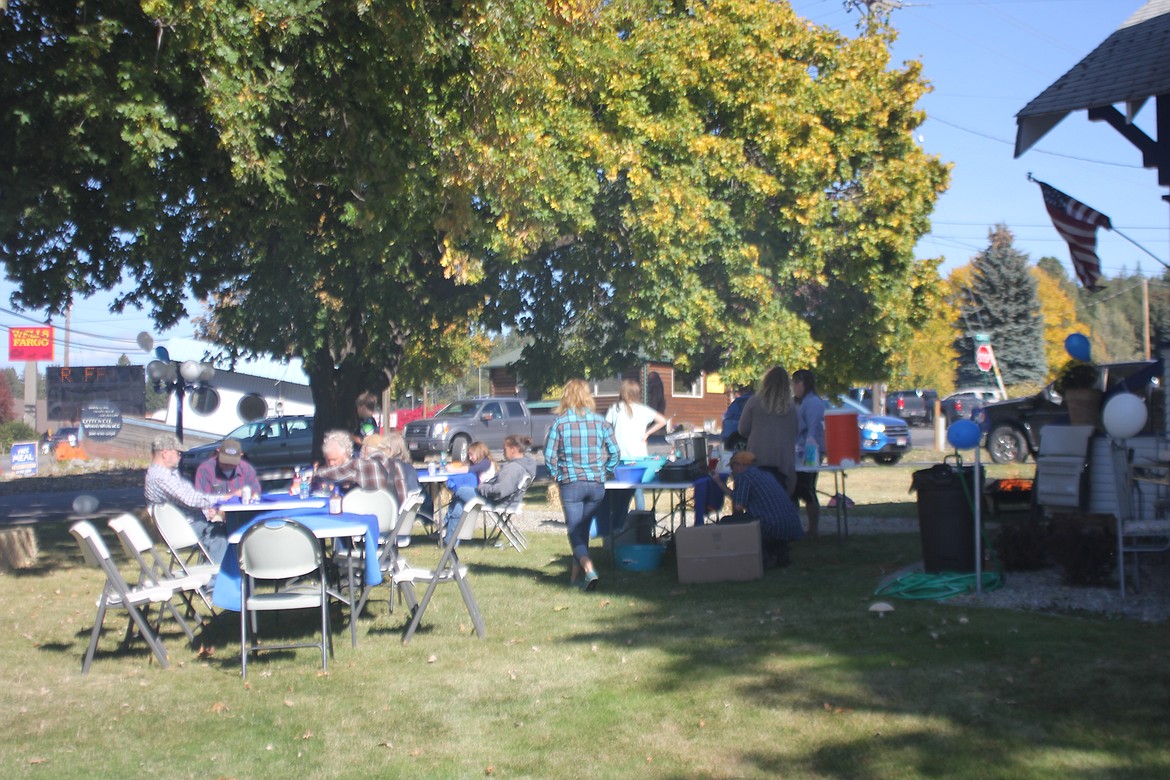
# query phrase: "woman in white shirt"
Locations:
[[633, 421]]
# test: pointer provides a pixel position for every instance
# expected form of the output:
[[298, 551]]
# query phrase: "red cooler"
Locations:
[[842, 437]]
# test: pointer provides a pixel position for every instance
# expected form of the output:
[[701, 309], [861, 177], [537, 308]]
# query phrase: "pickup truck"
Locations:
[[912, 405], [1013, 427], [489, 420]]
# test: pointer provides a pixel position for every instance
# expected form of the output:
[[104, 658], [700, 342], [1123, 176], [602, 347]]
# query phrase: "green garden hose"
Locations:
[[945, 585]]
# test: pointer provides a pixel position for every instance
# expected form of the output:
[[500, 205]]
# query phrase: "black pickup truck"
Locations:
[[1013, 427]]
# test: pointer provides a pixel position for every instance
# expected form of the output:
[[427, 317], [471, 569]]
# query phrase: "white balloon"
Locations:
[[1124, 415]]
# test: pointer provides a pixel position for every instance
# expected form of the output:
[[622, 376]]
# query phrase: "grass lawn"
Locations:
[[788, 676]]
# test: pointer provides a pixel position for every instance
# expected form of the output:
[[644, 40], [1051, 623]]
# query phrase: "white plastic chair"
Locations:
[[1135, 534], [118, 594], [380, 503], [187, 552], [388, 554], [502, 516], [153, 569], [276, 551], [449, 569]]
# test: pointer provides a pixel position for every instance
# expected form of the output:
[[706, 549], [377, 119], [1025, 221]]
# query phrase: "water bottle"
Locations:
[[294, 487], [306, 484], [335, 501], [811, 455], [443, 460]]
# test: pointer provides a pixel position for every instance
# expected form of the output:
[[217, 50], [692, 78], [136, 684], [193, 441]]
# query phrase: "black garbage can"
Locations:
[[946, 521]]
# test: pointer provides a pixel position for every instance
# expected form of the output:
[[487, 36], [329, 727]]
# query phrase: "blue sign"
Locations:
[[24, 458]]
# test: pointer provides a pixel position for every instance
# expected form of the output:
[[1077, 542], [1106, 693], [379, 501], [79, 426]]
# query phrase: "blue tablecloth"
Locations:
[[227, 583]]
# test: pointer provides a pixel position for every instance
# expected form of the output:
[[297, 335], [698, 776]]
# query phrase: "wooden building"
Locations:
[[691, 402]]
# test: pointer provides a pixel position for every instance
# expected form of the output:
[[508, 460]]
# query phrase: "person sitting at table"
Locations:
[[389, 449], [479, 462], [345, 470], [757, 495], [165, 485], [227, 472], [500, 487]]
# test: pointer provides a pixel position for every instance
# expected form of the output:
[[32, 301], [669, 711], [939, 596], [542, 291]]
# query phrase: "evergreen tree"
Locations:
[[1002, 302]]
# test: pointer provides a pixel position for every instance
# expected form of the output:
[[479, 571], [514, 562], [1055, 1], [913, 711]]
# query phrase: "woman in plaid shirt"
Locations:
[[580, 453]]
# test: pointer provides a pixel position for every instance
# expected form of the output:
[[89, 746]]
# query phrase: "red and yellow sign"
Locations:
[[30, 343]]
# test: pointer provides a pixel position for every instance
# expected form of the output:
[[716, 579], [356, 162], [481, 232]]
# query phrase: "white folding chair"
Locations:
[[449, 569], [153, 570], [388, 553], [502, 517], [380, 503], [118, 594], [276, 551], [1135, 534], [187, 552]]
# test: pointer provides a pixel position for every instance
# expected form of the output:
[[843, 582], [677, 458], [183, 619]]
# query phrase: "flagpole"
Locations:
[[1139, 246]]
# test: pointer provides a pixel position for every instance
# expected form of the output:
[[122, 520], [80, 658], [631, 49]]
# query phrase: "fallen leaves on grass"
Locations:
[[219, 708]]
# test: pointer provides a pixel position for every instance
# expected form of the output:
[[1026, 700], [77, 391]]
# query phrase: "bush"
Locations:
[[1022, 544], [14, 431]]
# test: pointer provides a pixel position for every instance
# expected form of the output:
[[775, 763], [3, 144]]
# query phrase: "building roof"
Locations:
[[1131, 65], [289, 371]]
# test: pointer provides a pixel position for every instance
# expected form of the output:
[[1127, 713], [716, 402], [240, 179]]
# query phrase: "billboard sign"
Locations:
[[23, 457], [30, 343], [68, 391]]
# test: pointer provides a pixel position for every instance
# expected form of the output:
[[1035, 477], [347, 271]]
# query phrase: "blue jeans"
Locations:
[[461, 497], [213, 536], [580, 500]]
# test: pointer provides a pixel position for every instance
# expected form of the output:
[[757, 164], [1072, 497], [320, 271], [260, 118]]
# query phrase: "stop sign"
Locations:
[[983, 357]]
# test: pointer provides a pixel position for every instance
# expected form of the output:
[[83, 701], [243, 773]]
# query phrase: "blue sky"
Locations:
[[986, 59]]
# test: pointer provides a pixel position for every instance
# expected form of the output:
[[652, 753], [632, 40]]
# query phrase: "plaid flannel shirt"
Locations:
[[581, 448]]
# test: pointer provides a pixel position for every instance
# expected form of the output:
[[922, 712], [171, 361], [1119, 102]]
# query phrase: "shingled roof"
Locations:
[[1130, 66]]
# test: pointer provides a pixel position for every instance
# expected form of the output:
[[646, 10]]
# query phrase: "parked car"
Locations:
[[1013, 427], [885, 439], [275, 446], [962, 403], [912, 405], [489, 420]]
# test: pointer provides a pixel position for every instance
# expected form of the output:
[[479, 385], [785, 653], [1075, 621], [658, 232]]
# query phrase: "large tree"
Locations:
[[721, 183], [750, 193], [1001, 302]]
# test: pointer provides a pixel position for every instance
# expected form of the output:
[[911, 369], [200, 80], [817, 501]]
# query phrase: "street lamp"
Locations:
[[180, 378]]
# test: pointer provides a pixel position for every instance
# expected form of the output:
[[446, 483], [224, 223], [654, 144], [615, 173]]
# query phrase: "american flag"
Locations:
[[1077, 225]]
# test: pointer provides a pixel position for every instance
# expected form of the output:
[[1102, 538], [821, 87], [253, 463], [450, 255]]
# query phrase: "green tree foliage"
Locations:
[[748, 193], [721, 183], [1002, 302]]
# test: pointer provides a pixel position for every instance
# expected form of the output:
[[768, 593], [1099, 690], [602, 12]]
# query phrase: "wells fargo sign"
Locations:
[[30, 343]]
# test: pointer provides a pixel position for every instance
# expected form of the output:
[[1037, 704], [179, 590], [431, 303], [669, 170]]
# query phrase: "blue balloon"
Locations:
[[1077, 346], [965, 435]]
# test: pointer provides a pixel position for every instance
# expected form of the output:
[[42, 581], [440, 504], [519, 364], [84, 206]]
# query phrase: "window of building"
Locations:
[[687, 385], [607, 387]]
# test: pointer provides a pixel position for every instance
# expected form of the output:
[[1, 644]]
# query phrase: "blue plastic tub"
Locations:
[[629, 473], [639, 557]]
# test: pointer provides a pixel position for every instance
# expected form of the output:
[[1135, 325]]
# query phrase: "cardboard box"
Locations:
[[719, 553]]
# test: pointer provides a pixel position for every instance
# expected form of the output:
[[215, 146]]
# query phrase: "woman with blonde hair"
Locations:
[[579, 453], [633, 422], [770, 424]]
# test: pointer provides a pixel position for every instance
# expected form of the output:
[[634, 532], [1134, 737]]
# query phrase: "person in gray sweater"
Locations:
[[770, 424], [517, 464]]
